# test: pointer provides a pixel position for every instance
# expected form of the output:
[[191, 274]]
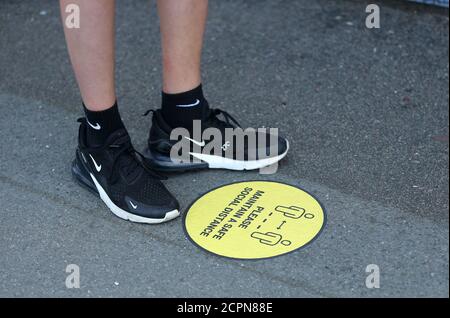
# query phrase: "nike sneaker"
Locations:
[[217, 141], [120, 176]]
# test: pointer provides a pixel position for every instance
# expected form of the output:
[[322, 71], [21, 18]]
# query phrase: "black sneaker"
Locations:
[[118, 174], [250, 155]]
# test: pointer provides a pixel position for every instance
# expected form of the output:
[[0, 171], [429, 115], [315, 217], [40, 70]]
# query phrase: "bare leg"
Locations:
[[91, 50], [182, 28]]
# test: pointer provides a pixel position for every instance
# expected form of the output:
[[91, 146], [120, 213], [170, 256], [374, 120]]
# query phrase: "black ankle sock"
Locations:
[[100, 124], [179, 110]]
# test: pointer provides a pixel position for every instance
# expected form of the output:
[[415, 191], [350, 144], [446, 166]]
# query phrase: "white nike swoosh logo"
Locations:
[[190, 105], [133, 205], [201, 144], [96, 127], [97, 167]]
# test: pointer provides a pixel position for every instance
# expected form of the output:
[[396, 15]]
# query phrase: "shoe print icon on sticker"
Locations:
[[254, 219]]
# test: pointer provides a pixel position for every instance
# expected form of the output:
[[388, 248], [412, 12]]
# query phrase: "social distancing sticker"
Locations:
[[254, 219]]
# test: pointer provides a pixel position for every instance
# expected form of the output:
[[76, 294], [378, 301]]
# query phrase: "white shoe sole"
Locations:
[[218, 162], [127, 215]]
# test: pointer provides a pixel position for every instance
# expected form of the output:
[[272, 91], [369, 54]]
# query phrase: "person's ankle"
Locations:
[[100, 124], [179, 110]]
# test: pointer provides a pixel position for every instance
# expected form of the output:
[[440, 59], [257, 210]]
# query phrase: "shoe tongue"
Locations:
[[127, 162], [129, 166], [118, 137]]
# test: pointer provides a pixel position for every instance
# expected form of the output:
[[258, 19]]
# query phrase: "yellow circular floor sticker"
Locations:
[[254, 219]]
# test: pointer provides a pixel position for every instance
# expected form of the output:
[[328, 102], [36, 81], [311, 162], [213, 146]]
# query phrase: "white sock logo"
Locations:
[[96, 127], [190, 105]]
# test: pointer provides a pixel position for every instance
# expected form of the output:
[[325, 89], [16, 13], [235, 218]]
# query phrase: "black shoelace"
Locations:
[[128, 160], [213, 119]]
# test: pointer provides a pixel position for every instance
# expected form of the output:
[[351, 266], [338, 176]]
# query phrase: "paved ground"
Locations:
[[366, 112]]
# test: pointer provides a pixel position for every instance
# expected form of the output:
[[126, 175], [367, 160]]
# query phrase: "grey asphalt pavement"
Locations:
[[366, 113]]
